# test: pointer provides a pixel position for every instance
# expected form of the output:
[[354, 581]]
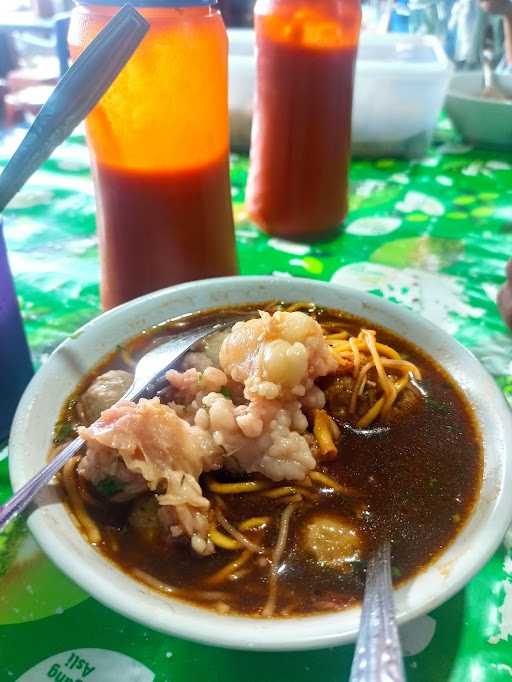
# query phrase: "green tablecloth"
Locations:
[[433, 235]]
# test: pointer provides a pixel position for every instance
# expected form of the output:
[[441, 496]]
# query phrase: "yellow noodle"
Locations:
[[363, 385], [290, 498], [254, 522], [357, 355], [279, 548], [331, 325], [308, 494], [237, 488], [230, 568], [357, 386], [220, 502], [329, 482], [402, 383], [333, 427], [239, 574], [404, 365], [322, 430], [229, 528], [339, 344], [371, 415], [381, 356], [337, 336], [355, 344], [68, 478], [345, 362], [223, 541], [375, 409], [386, 384], [281, 491], [150, 581], [344, 355], [298, 306], [387, 350]]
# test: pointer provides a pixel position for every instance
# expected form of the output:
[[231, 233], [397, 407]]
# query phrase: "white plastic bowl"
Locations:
[[59, 538], [482, 122]]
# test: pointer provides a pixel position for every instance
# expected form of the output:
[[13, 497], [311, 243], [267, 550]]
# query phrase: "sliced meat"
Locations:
[[103, 467], [165, 450]]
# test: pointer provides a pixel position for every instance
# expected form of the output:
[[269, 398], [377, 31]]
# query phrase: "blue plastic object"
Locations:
[[15, 363]]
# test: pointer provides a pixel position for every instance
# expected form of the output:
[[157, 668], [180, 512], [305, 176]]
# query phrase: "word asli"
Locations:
[[73, 665]]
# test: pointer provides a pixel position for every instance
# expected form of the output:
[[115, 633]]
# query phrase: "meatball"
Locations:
[[104, 391], [333, 541], [408, 401]]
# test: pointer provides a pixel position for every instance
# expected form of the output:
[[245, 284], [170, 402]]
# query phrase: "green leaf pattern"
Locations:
[[432, 234]]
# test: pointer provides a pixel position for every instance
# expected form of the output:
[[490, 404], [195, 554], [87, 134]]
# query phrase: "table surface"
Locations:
[[433, 235]]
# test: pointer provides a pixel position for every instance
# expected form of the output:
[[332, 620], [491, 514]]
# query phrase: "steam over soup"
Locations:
[[281, 452]]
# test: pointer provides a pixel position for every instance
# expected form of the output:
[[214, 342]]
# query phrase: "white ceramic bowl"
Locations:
[[59, 538], [482, 122]]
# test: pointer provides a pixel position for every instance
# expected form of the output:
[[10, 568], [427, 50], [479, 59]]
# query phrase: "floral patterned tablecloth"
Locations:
[[432, 234]]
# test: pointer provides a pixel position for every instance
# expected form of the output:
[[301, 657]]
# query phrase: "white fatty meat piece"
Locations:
[[276, 356]]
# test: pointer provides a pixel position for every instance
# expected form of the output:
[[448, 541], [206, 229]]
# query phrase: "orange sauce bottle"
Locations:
[[300, 148], [160, 150]]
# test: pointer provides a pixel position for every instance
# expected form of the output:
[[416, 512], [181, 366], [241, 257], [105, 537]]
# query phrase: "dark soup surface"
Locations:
[[316, 442]]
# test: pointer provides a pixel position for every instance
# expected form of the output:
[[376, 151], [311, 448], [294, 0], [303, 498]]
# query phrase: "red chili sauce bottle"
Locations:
[[300, 149], [160, 150]]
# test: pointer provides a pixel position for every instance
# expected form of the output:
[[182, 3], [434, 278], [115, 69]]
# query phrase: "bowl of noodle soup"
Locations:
[[323, 422]]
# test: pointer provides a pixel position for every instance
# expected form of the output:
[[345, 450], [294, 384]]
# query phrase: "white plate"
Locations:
[[54, 530]]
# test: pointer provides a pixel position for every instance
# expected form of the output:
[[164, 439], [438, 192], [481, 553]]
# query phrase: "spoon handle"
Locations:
[[75, 95], [22, 498], [488, 72], [378, 654]]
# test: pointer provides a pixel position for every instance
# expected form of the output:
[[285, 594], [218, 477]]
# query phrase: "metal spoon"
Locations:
[[75, 95], [148, 380], [491, 88], [378, 654]]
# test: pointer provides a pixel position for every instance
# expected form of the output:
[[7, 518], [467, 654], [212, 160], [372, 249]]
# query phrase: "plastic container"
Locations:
[[400, 86], [160, 150], [242, 74]]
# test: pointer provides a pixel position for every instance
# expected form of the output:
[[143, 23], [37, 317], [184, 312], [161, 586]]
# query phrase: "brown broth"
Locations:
[[419, 478]]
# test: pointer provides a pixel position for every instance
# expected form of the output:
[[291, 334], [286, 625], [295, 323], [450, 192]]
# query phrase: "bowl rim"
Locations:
[[469, 75], [105, 582]]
